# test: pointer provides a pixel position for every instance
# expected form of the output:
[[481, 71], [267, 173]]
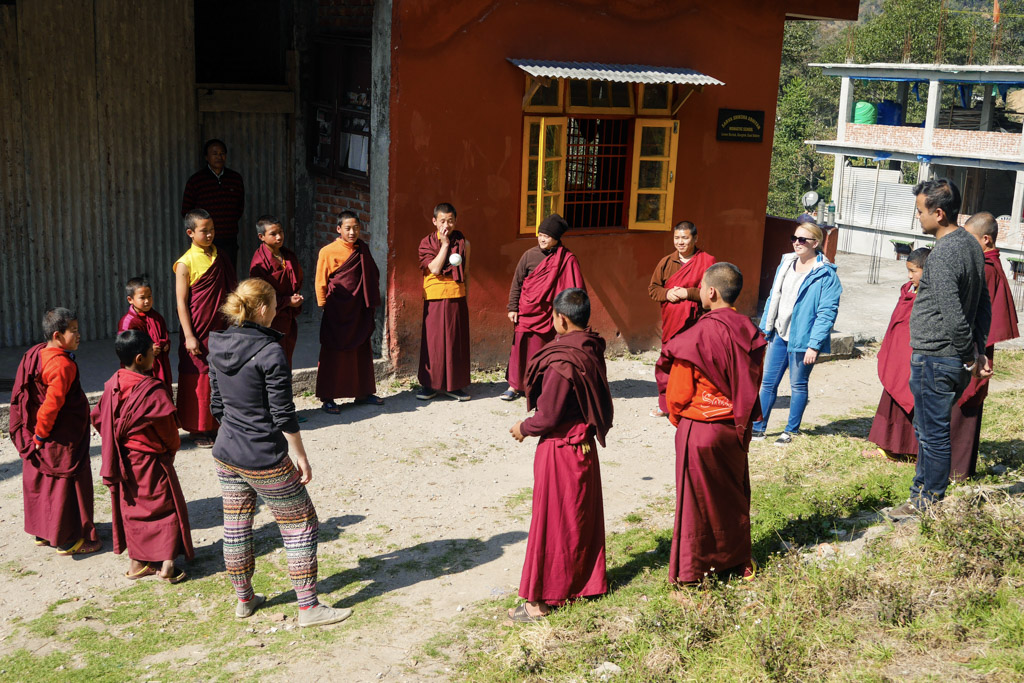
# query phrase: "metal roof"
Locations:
[[1009, 74], [620, 73]]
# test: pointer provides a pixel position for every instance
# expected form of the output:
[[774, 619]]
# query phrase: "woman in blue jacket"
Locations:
[[798, 319]]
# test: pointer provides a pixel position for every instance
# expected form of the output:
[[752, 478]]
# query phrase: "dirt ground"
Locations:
[[439, 480]]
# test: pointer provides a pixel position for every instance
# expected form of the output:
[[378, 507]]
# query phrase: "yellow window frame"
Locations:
[[534, 84], [582, 109], [664, 194], [548, 197], [644, 111]]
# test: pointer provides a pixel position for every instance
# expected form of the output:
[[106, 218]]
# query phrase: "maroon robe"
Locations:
[[676, 317], [965, 422], [559, 270], [712, 522], [205, 297], [346, 360], [444, 337], [149, 517], [286, 279], [56, 478], [893, 426], [565, 556], [155, 326]]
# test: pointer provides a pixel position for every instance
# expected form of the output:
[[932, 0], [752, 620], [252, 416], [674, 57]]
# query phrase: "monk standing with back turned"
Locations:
[[714, 373], [568, 385]]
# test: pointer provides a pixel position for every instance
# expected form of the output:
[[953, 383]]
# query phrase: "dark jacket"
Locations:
[[251, 396]]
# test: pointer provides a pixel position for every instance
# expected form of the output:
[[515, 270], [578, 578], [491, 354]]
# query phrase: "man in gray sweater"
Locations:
[[948, 328]]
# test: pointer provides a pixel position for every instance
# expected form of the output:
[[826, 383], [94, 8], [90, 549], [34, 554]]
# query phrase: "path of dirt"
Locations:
[[413, 488]]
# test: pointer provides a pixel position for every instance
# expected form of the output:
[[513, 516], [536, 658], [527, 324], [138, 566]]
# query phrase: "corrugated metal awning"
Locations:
[[620, 73]]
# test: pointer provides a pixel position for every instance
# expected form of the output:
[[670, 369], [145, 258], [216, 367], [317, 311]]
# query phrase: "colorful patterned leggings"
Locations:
[[296, 518]]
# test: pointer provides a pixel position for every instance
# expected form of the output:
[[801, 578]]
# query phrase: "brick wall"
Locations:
[[885, 137], [911, 139], [334, 195], [345, 15]]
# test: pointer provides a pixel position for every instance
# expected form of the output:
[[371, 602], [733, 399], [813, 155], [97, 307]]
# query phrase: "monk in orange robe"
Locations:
[[348, 291], [714, 371]]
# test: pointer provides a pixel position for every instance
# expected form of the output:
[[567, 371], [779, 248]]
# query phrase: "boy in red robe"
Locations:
[[543, 272], [49, 425], [136, 421], [143, 317], [965, 422], [348, 291], [444, 342], [568, 385], [675, 285], [892, 430], [714, 370], [202, 282], [278, 265]]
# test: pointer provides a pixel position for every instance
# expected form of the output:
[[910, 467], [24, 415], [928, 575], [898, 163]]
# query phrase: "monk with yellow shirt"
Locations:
[[714, 372], [348, 291], [444, 345], [202, 282]]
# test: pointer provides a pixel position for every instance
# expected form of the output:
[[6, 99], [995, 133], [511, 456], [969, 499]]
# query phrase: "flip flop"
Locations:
[[370, 400], [142, 573], [82, 547], [177, 578], [41, 541], [657, 412], [331, 408], [203, 442], [521, 616]]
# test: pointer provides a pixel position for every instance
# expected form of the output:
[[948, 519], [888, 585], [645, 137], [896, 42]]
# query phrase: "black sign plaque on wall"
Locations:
[[740, 125]]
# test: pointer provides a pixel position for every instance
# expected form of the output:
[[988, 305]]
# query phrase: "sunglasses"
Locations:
[[802, 240]]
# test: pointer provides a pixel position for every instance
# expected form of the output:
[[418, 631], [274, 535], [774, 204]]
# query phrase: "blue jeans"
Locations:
[[776, 360], [936, 383]]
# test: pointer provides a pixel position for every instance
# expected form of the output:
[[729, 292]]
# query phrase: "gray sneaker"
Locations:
[[244, 610], [457, 394], [785, 438], [322, 615]]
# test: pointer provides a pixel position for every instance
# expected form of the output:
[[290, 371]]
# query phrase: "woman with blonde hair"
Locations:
[[251, 397], [798, 319]]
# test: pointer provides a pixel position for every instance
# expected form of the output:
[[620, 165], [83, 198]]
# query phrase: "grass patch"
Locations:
[[945, 597]]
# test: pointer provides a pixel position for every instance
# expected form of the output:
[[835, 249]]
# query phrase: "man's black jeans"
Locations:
[[936, 382]]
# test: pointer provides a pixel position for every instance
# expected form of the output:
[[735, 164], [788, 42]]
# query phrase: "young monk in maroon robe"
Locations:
[[444, 344], [714, 372], [136, 421], [348, 291], [49, 424], [278, 265], [676, 286], [892, 430], [202, 281], [143, 317], [543, 272], [568, 385], [965, 422]]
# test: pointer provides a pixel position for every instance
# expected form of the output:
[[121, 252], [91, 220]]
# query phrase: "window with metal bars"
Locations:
[[596, 181]]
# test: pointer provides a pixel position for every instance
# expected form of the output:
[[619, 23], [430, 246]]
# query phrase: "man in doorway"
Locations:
[[948, 332], [221, 192]]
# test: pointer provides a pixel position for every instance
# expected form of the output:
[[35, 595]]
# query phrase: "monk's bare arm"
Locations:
[[181, 288], [437, 265]]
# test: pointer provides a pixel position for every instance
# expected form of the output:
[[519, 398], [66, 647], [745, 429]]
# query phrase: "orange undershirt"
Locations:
[[58, 373], [331, 257], [691, 395]]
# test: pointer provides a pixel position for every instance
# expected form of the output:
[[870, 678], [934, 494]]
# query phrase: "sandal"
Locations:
[[510, 395], [203, 442], [521, 616], [657, 412], [142, 573], [41, 541], [331, 408], [370, 400], [177, 578], [82, 547]]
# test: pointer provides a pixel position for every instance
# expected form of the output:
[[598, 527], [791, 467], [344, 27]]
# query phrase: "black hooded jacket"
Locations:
[[251, 396]]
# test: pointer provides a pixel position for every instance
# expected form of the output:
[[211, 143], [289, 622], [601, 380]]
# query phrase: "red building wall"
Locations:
[[456, 135]]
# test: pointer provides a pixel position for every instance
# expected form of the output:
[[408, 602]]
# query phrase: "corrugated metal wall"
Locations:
[[96, 144], [260, 148]]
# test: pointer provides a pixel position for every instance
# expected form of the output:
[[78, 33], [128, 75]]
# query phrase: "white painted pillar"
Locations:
[[986, 107], [845, 108], [932, 116]]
